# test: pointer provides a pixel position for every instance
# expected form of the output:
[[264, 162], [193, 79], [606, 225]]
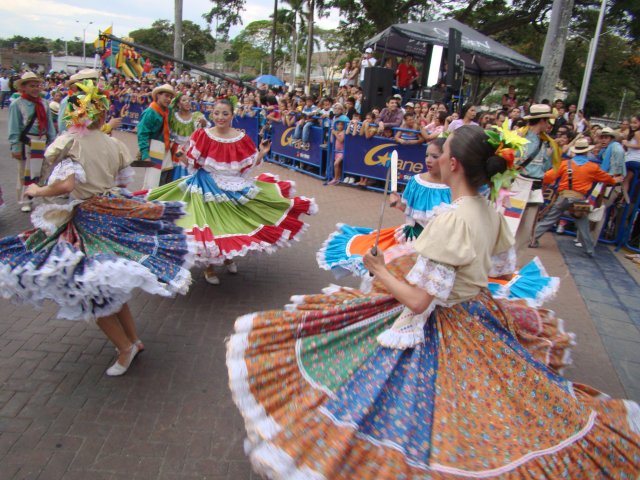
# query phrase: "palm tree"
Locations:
[[290, 19]]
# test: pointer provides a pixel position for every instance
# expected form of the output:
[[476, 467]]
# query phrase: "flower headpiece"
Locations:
[[84, 108], [506, 143]]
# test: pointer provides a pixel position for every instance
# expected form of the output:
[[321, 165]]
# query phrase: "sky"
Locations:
[[67, 19]]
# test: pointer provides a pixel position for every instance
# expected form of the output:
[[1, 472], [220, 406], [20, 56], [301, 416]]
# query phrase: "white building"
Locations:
[[71, 64]]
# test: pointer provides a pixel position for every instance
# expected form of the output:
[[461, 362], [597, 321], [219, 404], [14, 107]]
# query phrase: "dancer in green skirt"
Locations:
[[228, 212]]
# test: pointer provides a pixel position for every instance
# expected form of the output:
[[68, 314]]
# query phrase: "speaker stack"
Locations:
[[377, 87]]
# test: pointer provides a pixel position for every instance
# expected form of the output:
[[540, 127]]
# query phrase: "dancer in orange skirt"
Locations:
[[459, 397]]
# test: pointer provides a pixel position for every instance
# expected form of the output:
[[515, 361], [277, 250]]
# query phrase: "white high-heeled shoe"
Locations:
[[231, 267], [117, 369], [211, 278]]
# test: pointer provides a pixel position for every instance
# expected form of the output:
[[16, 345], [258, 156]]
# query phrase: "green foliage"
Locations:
[[45, 45], [197, 41]]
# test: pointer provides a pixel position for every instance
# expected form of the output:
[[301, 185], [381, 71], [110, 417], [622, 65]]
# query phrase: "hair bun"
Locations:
[[495, 164]]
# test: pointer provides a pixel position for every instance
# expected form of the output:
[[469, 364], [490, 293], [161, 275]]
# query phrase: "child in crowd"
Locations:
[[370, 125], [337, 134], [404, 137], [303, 127], [354, 126]]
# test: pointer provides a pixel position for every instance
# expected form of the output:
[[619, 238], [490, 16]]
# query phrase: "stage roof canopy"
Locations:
[[482, 55]]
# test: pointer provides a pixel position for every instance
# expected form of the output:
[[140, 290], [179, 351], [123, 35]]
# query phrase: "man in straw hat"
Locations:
[[612, 158], [31, 129], [539, 155], [154, 137], [576, 177]]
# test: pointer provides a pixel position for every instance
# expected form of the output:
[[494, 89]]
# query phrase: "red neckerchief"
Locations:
[[164, 112], [41, 113]]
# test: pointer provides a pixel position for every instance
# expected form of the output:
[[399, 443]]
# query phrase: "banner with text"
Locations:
[[283, 143], [129, 111], [367, 157]]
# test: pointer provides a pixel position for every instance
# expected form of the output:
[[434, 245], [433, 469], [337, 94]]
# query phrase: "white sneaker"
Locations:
[[578, 244], [560, 229], [25, 208], [231, 267]]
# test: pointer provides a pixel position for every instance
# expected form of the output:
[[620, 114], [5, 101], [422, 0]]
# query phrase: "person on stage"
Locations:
[[182, 123], [228, 212], [31, 129], [154, 125], [88, 253], [460, 397]]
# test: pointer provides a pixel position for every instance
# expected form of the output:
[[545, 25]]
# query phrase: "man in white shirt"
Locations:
[[367, 61], [5, 91]]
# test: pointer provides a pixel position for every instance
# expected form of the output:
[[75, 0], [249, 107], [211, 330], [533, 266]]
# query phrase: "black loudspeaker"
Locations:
[[377, 87], [454, 72]]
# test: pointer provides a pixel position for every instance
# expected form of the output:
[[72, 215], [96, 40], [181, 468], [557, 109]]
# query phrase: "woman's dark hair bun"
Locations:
[[495, 164]]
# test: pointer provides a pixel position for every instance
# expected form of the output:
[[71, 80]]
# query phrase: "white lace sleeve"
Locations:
[[125, 176], [65, 169], [503, 264], [436, 278]]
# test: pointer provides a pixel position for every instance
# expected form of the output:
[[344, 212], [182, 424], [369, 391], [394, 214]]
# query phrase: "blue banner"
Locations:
[[249, 125], [367, 157], [283, 143], [129, 111]]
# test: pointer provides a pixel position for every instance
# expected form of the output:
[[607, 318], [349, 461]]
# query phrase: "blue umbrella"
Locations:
[[269, 80]]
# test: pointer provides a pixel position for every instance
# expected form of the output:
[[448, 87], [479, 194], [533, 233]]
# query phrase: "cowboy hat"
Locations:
[[84, 74], [608, 131], [166, 88], [27, 77], [539, 110], [581, 146], [54, 107]]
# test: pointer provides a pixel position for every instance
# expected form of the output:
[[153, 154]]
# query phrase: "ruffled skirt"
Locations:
[[343, 251], [90, 261], [228, 223], [321, 399]]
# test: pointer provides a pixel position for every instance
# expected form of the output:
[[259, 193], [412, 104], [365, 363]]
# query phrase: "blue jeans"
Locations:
[[3, 97], [303, 132]]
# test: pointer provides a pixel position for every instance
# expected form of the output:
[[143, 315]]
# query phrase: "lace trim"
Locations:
[[436, 278], [224, 140], [181, 120], [125, 176], [211, 165], [426, 183], [231, 183], [65, 169], [504, 263]]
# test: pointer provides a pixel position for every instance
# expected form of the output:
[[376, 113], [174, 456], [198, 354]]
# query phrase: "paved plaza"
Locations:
[[171, 416]]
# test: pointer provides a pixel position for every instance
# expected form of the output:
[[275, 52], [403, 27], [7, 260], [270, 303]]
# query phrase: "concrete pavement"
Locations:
[[171, 416]]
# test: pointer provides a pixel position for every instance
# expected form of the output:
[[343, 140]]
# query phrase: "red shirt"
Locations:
[[406, 74]]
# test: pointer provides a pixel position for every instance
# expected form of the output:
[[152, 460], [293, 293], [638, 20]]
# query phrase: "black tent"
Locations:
[[482, 55]]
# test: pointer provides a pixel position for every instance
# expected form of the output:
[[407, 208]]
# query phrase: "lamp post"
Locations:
[[84, 36], [183, 45]]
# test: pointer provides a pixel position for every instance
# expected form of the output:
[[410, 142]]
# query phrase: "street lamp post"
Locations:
[[84, 37], [183, 45]]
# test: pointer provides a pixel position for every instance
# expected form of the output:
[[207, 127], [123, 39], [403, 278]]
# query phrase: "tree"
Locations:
[[331, 40], [160, 36]]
